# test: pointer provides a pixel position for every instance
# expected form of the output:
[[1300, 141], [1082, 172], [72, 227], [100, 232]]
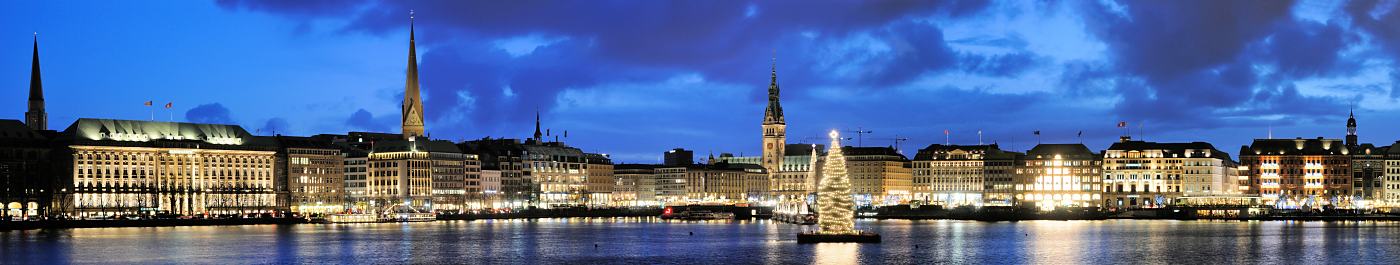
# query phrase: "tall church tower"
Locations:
[[1351, 129], [412, 101], [36, 118], [774, 127]]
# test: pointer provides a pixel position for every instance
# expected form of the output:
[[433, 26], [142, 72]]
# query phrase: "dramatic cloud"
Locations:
[[665, 74], [209, 113]]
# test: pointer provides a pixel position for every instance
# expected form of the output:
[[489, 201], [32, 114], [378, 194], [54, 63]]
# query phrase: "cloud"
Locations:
[[275, 126], [363, 120], [1381, 20], [1208, 63], [212, 113]]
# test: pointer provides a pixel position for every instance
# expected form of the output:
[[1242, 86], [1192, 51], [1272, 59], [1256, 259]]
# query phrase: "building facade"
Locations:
[[601, 180], [310, 176], [1299, 173], [1059, 175], [123, 167], [636, 185], [963, 175], [879, 175], [26, 170], [1139, 174]]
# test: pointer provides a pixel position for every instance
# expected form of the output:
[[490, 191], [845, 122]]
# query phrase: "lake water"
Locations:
[[651, 241]]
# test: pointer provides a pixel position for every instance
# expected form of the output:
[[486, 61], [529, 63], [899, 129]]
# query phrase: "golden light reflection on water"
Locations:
[[837, 253], [1054, 242]]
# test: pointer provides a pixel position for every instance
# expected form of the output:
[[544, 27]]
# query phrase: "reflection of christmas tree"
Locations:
[[835, 206]]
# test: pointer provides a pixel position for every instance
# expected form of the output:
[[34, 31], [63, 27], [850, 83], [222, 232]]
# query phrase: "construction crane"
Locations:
[[860, 135], [897, 140]]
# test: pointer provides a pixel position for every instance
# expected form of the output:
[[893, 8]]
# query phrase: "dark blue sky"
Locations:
[[634, 78]]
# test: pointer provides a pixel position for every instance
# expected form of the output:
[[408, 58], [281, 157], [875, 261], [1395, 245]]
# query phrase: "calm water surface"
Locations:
[[650, 241]]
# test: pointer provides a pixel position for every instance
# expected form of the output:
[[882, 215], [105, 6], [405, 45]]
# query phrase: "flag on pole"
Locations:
[[148, 103], [1037, 132], [170, 105], [1122, 124], [1081, 133], [946, 132]]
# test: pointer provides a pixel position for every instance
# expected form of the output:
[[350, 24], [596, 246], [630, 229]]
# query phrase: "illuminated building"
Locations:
[[797, 175], [1298, 173], [490, 191], [1367, 164], [121, 167], [1390, 183], [636, 185], [1138, 174], [670, 184], [419, 173], [310, 176], [601, 182], [1059, 175], [956, 175], [1368, 167], [25, 170], [879, 175], [504, 156], [559, 172], [356, 178]]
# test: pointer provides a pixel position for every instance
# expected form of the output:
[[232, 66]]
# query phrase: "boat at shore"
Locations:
[[696, 215]]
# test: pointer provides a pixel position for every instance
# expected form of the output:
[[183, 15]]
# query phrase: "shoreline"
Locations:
[[73, 224]]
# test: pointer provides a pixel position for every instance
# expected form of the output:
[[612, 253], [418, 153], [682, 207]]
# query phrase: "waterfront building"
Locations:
[[560, 173], [1390, 183], [958, 175], [670, 184], [504, 156], [721, 182], [1298, 173], [1059, 175], [310, 176], [797, 177], [124, 167], [425, 175], [356, 170], [636, 185], [601, 181], [490, 191], [1367, 165], [1140, 174], [471, 182], [25, 171], [879, 175]]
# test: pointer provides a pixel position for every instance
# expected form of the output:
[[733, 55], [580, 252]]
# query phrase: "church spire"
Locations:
[[412, 100], [774, 113], [538, 136], [36, 118]]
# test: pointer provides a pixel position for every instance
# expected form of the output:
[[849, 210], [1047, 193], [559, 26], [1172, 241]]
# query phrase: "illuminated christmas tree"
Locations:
[[835, 206]]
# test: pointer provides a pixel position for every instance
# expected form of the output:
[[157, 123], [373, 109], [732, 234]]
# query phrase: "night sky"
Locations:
[[635, 78]]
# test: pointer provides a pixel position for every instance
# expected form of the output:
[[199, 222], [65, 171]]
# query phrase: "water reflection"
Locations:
[[649, 241]]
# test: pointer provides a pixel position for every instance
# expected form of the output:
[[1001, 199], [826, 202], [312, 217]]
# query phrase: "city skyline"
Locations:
[[1304, 65]]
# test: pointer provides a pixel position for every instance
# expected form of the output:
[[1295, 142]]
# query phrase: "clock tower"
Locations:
[[774, 127]]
